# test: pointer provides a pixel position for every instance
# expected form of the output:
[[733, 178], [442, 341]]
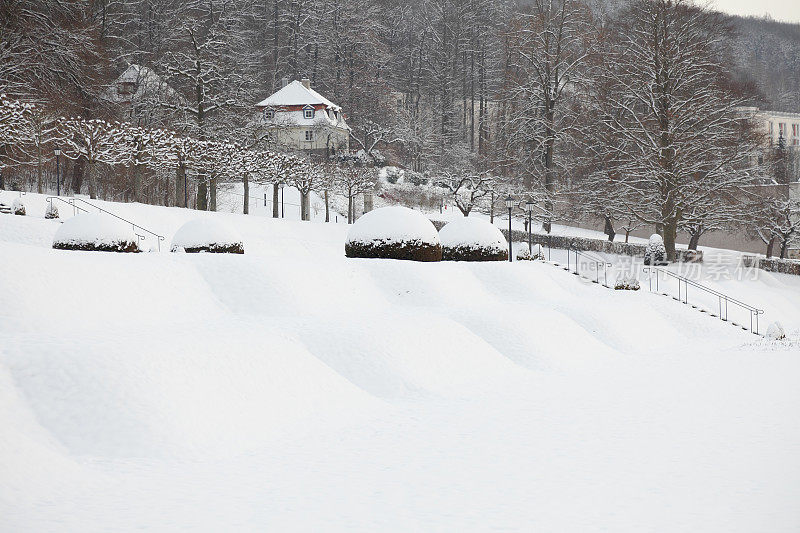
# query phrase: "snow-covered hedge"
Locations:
[[656, 253], [472, 239], [17, 207], [96, 232], [394, 233], [51, 211], [627, 283], [206, 235]]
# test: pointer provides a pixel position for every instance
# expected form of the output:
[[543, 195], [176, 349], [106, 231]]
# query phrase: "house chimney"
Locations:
[[306, 83], [284, 82]]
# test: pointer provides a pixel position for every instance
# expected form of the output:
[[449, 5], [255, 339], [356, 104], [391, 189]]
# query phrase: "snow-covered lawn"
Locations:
[[292, 389]]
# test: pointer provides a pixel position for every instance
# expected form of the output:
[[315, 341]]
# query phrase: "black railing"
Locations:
[[73, 203], [722, 299], [596, 265]]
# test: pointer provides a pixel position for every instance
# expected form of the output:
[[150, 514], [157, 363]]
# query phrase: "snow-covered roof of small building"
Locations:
[[296, 93], [142, 81]]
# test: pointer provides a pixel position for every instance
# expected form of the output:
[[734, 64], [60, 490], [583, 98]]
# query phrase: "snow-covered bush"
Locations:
[[523, 253], [775, 331], [17, 207], [391, 174], [472, 239], [626, 283], [394, 233], [415, 178], [96, 232], [656, 253], [207, 235], [51, 211]]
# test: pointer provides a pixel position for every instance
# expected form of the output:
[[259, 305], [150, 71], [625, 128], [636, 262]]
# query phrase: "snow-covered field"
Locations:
[[292, 389]]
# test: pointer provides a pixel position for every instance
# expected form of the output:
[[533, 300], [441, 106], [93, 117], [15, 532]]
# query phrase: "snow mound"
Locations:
[[207, 235], [96, 232], [472, 239], [17, 207], [394, 233]]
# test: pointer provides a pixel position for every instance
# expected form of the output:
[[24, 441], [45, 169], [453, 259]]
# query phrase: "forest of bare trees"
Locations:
[[628, 113]]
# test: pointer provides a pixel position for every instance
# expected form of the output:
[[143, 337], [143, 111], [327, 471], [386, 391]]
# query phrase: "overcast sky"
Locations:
[[786, 10]]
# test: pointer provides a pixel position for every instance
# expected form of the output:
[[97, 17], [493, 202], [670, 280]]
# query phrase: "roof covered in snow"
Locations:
[[296, 93]]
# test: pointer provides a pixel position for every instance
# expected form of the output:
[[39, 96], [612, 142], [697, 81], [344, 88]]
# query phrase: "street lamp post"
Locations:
[[510, 206], [57, 151], [529, 209], [280, 186]]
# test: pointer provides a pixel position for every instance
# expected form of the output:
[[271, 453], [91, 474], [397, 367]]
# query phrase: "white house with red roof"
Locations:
[[299, 118]]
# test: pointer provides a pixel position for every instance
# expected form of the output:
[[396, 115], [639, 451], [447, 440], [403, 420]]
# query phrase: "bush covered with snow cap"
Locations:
[[537, 252], [51, 211], [656, 253], [522, 252], [17, 207], [626, 283], [394, 233], [96, 232], [207, 235], [472, 239], [775, 331]]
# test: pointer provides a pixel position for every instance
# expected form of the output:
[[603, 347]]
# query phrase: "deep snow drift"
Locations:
[[292, 389]]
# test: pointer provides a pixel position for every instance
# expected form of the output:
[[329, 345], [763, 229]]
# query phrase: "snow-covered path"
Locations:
[[291, 389]]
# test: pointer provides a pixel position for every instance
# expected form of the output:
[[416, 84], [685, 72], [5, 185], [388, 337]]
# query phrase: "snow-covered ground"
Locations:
[[292, 389]]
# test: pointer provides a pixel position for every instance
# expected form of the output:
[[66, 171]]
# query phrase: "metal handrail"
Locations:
[[722, 297], [591, 260], [76, 207]]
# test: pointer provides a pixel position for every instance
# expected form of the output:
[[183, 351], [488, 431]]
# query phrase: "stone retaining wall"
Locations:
[[781, 266], [585, 244]]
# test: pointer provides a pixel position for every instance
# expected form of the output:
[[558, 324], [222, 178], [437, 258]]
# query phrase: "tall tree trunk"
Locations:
[[180, 186], [202, 193], [771, 246], [784, 247], [92, 180], [246, 184], [212, 194], [609, 228], [137, 182], [77, 175], [305, 203], [276, 208], [694, 240], [670, 236], [39, 180], [327, 207]]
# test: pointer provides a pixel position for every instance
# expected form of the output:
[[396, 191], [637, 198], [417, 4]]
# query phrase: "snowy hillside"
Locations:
[[293, 389]]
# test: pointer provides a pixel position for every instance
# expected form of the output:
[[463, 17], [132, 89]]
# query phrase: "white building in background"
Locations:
[[137, 92], [300, 119]]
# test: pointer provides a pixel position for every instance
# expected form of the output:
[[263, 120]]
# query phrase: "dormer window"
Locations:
[[269, 114], [308, 112]]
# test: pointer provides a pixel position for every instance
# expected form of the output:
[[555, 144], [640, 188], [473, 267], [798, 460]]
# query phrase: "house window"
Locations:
[[771, 129], [269, 114], [794, 130], [782, 129], [308, 112], [309, 135]]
